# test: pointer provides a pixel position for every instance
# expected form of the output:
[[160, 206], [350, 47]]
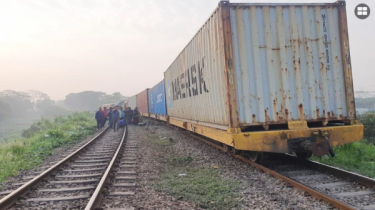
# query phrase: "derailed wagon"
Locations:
[[267, 78]]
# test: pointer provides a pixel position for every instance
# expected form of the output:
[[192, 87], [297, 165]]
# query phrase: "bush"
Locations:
[[357, 156], [368, 121], [55, 134], [31, 131]]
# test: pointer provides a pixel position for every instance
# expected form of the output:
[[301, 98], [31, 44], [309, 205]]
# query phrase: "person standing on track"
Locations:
[[115, 118], [109, 115], [129, 116], [99, 117], [105, 116], [122, 115], [135, 116]]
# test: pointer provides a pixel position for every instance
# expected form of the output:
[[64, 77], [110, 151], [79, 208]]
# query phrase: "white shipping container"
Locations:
[[132, 102], [195, 82], [263, 64]]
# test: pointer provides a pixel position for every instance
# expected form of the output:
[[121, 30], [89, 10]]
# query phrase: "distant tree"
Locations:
[[90, 100], [44, 104], [5, 110], [115, 97], [18, 101], [54, 111], [365, 103]]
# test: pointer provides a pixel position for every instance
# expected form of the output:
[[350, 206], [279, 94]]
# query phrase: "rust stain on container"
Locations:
[[300, 110], [234, 72], [286, 114]]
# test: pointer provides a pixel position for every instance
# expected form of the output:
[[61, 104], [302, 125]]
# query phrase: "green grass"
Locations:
[[358, 157], [25, 153], [156, 141], [12, 128], [202, 186]]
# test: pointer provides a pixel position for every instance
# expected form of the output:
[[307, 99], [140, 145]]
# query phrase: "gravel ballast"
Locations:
[[109, 140], [255, 190]]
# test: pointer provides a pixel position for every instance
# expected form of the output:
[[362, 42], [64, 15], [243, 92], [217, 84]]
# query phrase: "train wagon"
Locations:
[[123, 104], [142, 103], [157, 102], [267, 78], [109, 105], [132, 102]]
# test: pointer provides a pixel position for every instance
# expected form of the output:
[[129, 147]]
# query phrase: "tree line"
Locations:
[[19, 104], [365, 103]]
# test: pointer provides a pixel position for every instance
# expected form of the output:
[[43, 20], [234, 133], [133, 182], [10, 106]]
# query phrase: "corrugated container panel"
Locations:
[[267, 64], [195, 81], [132, 102], [142, 101], [156, 99], [288, 63]]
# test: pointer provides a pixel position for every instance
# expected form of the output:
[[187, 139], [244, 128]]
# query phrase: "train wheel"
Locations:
[[227, 148], [304, 155], [234, 151], [255, 157]]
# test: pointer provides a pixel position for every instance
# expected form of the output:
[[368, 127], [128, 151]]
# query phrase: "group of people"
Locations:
[[116, 116]]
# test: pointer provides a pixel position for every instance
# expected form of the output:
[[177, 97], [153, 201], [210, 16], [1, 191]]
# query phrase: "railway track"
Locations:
[[81, 179], [341, 189]]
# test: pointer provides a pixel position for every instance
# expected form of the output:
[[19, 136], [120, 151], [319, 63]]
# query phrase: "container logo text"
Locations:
[[159, 98], [190, 83]]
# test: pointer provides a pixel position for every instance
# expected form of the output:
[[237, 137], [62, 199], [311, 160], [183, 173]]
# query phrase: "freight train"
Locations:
[[123, 104], [263, 78]]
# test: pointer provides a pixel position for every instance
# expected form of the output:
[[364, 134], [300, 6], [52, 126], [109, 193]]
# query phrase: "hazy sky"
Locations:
[[64, 46]]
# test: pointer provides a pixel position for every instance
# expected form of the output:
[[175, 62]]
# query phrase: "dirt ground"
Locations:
[[161, 186]]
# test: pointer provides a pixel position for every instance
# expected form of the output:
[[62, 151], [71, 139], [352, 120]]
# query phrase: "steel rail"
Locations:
[[369, 182], [97, 195], [314, 193], [341, 173], [10, 199]]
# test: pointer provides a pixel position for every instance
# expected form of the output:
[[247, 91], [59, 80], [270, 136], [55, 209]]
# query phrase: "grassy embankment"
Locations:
[[358, 156], [12, 128], [182, 178], [40, 140]]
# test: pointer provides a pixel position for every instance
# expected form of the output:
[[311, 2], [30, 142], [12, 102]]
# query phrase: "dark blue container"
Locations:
[[156, 99]]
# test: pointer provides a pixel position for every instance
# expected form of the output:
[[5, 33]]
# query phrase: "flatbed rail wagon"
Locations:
[[262, 77]]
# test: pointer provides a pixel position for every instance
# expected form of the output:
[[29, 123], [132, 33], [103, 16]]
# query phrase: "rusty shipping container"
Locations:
[[132, 102], [263, 64], [142, 102]]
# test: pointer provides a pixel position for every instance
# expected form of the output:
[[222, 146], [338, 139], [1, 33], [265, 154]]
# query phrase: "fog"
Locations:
[[60, 47]]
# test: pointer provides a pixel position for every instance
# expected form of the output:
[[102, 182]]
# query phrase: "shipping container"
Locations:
[[156, 99], [108, 105], [265, 64], [142, 102], [132, 102]]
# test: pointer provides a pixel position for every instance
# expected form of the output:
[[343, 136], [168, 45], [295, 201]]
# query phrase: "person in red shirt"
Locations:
[[105, 116]]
